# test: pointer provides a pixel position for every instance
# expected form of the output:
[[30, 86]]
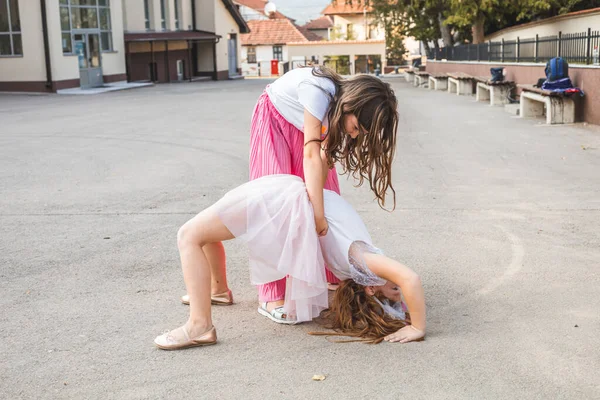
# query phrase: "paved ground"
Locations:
[[500, 216]]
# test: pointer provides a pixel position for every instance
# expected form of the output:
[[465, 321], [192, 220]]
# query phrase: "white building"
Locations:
[[170, 40], [58, 44], [268, 41], [49, 45]]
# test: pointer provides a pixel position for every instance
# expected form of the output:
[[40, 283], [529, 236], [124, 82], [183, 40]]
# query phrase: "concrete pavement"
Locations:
[[500, 216]]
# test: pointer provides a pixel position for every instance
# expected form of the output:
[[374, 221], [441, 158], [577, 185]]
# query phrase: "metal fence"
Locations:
[[576, 48]]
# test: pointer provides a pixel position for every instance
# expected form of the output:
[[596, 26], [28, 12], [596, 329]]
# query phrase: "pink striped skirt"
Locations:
[[277, 147]]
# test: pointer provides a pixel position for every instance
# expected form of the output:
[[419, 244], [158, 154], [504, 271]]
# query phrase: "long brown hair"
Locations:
[[370, 155], [357, 314]]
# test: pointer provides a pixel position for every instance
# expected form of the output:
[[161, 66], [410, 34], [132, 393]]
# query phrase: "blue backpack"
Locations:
[[557, 68]]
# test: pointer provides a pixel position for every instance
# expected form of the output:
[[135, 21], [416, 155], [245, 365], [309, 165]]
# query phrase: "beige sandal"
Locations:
[[179, 338], [221, 299]]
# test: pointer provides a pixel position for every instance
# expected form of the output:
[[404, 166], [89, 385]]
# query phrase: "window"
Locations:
[[350, 32], [163, 18], [105, 26], [147, 15], [252, 55], [278, 53], [176, 8], [85, 14], [10, 29]]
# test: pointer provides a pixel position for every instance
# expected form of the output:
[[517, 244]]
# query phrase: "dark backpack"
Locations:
[[557, 68], [497, 74]]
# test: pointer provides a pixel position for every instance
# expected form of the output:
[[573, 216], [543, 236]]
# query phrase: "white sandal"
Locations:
[[277, 315]]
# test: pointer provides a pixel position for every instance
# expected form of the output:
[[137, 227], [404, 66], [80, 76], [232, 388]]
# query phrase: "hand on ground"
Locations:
[[407, 334]]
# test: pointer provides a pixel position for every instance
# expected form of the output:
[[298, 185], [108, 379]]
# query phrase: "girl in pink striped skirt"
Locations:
[[306, 106]]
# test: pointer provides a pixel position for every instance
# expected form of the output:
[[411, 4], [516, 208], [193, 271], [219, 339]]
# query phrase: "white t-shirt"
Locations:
[[299, 89]]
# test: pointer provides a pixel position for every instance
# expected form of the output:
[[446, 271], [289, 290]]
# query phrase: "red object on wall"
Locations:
[[274, 67]]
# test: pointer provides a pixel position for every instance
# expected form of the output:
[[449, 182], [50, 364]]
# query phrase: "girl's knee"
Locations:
[[190, 234]]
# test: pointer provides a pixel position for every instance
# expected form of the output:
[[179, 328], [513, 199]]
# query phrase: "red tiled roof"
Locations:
[[313, 37], [259, 5], [272, 31], [320, 23], [340, 7]]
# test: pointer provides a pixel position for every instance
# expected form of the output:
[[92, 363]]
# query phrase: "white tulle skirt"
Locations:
[[275, 217]]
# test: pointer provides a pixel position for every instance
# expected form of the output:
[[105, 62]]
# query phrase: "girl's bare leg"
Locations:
[[215, 253], [204, 231]]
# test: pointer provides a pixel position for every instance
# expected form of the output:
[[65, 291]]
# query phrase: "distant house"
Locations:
[[355, 42], [352, 22], [255, 10], [320, 26], [267, 41]]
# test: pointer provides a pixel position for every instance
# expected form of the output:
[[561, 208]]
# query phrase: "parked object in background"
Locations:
[[496, 92], [421, 79], [557, 68], [557, 108], [562, 86], [460, 83], [438, 82], [540, 82], [497, 74]]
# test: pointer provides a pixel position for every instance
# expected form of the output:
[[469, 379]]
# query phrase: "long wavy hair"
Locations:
[[355, 313], [369, 156]]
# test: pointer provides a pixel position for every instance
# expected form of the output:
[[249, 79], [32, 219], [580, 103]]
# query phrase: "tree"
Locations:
[[500, 14]]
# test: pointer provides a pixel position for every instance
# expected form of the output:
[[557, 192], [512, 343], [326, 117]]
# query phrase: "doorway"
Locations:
[[87, 48], [232, 54]]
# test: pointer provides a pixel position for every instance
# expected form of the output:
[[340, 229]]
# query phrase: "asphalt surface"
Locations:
[[500, 216]]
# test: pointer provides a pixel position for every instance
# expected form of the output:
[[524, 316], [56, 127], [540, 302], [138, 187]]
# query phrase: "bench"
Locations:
[[535, 102], [438, 82], [409, 75], [494, 92], [460, 83], [421, 78]]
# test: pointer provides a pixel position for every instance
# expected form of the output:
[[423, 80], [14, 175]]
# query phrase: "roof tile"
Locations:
[[272, 31]]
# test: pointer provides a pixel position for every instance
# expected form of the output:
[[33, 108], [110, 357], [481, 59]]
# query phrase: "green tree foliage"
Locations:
[[429, 20]]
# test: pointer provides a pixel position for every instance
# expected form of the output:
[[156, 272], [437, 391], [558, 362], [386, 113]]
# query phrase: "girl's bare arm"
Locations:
[[408, 281], [313, 169]]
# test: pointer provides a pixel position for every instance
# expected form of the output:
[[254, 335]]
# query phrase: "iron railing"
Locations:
[[576, 48]]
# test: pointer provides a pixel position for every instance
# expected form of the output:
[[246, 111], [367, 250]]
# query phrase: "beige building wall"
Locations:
[[113, 63], [205, 14], [205, 57], [133, 15], [550, 27], [186, 14], [134, 18], [226, 25], [31, 66], [64, 67]]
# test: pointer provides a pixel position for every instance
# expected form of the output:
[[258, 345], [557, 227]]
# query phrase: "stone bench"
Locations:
[[409, 75], [438, 82], [460, 83], [494, 92], [421, 78], [535, 102]]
